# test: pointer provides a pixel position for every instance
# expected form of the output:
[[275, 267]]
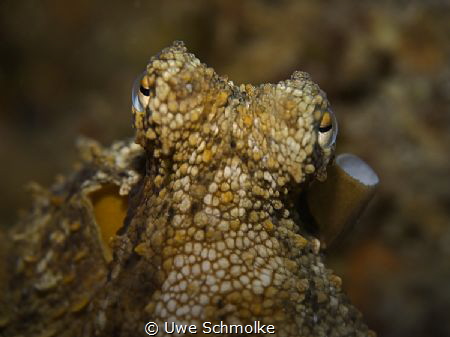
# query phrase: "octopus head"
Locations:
[[183, 110]]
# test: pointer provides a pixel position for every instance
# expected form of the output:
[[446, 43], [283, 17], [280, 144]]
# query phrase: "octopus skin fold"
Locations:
[[192, 221], [355, 183]]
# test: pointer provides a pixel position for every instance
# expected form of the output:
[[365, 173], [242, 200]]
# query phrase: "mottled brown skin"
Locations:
[[211, 232]]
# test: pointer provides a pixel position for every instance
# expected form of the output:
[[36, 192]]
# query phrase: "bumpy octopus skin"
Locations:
[[211, 231]]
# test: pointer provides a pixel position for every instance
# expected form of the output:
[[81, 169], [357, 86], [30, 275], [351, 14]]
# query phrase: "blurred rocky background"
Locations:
[[67, 67]]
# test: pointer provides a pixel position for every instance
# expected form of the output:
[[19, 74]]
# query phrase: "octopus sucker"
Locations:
[[209, 231]]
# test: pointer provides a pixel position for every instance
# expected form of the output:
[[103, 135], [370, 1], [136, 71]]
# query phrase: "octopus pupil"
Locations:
[[145, 92], [325, 128]]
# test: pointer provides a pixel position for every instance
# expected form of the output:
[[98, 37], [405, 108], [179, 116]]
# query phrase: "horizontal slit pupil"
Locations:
[[325, 128], [145, 92]]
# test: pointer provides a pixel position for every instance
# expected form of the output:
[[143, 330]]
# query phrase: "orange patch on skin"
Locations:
[[248, 121], [110, 209], [326, 120], [145, 82]]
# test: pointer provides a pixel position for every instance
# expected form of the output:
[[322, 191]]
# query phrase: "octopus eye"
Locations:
[[328, 129], [141, 92]]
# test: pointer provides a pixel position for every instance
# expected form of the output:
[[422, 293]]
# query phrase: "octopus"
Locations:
[[195, 220]]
